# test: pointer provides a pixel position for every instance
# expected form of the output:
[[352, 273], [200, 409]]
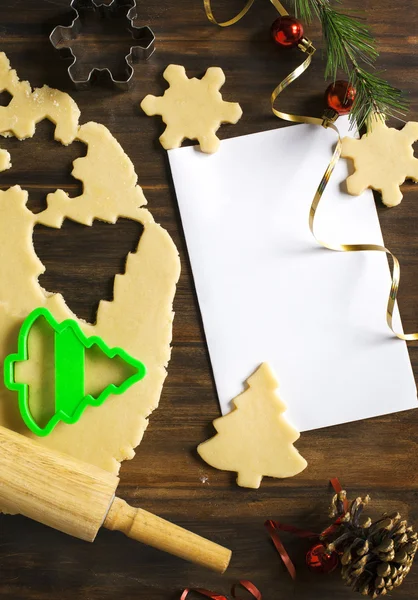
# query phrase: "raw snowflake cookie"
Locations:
[[192, 108], [255, 439], [383, 159]]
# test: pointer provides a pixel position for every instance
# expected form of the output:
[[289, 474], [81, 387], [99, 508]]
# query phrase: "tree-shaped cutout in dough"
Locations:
[[192, 108], [255, 440], [383, 159], [79, 249]]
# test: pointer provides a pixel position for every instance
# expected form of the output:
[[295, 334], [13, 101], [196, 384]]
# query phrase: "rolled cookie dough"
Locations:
[[27, 107], [139, 319]]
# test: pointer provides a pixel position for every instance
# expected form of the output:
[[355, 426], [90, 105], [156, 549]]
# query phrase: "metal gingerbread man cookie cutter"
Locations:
[[61, 38]]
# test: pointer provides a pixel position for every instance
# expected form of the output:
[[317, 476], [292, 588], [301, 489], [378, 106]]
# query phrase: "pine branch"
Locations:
[[374, 95], [350, 47]]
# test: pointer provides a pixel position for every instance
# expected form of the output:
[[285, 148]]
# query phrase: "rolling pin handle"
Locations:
[[149, 529]]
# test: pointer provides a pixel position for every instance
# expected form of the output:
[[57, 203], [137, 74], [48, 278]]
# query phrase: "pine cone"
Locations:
[[375, 556]]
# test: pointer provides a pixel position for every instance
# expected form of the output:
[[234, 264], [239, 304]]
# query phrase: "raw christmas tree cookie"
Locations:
[[255, 440], [192, 108], [138, 320], [383, 159]]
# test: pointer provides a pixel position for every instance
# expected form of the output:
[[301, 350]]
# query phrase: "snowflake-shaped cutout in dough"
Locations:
[[383, 160], [192, 108]]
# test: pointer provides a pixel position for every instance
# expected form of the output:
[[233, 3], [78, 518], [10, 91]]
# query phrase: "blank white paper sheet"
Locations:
[[268, 292]]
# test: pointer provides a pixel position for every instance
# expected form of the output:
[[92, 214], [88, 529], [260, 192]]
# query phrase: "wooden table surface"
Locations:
[[166, 477]]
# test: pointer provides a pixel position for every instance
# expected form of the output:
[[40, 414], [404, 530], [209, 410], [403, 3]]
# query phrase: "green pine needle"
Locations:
[[304, 9], [374, 95], [351, 48]]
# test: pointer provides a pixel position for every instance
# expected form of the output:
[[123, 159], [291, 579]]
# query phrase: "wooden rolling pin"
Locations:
[[77, 498]]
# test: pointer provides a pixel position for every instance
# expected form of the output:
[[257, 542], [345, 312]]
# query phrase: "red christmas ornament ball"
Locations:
[[319, 560], [340, 97], [287, 31]]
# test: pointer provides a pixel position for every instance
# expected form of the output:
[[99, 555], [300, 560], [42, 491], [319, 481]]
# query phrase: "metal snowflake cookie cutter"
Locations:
[[61, 38]]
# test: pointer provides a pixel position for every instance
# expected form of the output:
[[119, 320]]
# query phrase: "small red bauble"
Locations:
[[287, 31], [340, 97], [319, 560]]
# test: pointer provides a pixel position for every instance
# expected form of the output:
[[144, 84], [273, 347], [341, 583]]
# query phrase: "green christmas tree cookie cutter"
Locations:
[[70, 397]]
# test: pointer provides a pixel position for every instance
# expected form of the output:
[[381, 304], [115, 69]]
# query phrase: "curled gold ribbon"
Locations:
[[209, 13], [306, 46], [328, 122], [396, 271], [238, 17]]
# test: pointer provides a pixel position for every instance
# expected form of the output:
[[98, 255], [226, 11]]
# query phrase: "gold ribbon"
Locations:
[[327, 121], [208, 8], [396, 271], [232, 21]]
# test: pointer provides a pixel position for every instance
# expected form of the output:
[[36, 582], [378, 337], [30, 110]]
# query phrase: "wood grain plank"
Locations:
[[166, 477]]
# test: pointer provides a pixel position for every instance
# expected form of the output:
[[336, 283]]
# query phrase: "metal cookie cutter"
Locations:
[[61, 38]]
